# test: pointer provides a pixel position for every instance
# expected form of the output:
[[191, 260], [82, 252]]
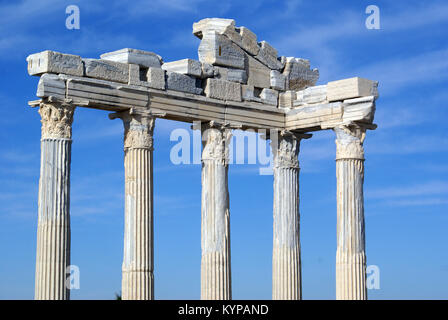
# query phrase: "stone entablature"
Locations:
[[237, 80]]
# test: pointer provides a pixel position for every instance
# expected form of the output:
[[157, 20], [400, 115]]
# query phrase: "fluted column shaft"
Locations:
[[286, 264], [350, 254], [53, 230], [138, 259], [215, 225]]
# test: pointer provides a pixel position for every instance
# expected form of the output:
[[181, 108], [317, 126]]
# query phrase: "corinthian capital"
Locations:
[[286, 147], [138, 129], [349, 141], [215, 142], [56, 119]]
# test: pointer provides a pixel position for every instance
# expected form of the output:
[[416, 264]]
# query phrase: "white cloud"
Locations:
[[388, 117], [408, 144], [434, 167], [321, 43], [430, 193], [174, 205], [99, 194], [163, 7], [31, 20], [393, 74], [292, 5], [14, 156], [414, 110], [417, 202], [406, 17], [429, 188], [98, 132], [22, 13]]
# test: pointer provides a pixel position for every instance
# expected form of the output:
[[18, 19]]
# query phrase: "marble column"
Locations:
[[138, 259], [53, 228], [350, 254], [286, 264], [215, 225]]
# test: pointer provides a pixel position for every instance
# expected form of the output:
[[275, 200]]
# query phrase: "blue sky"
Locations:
[[406, 177]]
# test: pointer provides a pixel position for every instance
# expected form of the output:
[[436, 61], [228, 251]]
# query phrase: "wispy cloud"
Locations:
[[292, 5], [396, 73], [417, 202], [345, 24], [31, 21], [397, 117], [320, 151], [16, 156], [429, 188], [430, 193], [21, 13], [171, 205], [144, 7], [245, 169], [434, 167], [167, 126], [95, 133], [314, 42], [18, 197], [324, 43], [409, 144], [415, 16], [21, 170], [97, 195]]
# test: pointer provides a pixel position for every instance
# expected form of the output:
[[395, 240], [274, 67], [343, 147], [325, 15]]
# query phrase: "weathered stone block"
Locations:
[[234, 36], [248, 93], [237, 75], [223, 90], [258, 75], [221, 72], [351, 88], [135, 76], [242, 37], [316, 94], [54, 62], [217, 49], [359, 108], [102, 93], [249, 41], [278, 80], [269, 96], [51, 85], [268, 56], [212, 25], [230, 74], [208, 71], [298, 74], [146, 77], [156, 78], [181, 82], [185, 66], [142, 58], [286, 99], [106, 70], [268, 49], [221, 26]]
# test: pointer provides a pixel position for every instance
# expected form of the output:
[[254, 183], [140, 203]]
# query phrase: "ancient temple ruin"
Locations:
[[238, 82]]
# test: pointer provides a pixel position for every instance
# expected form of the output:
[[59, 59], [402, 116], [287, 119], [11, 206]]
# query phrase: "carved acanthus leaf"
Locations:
[[56, 119], [138, 130], [286, 151], [349, 142], [215, 142]]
